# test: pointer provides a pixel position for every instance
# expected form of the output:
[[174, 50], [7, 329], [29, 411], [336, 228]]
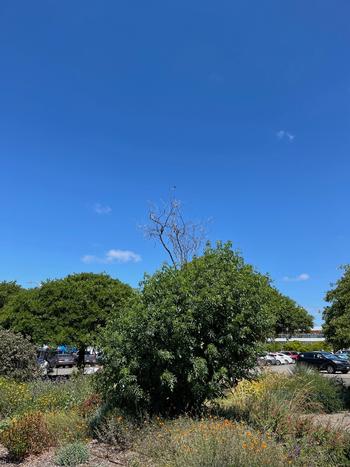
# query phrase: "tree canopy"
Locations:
[[290, 318], [187, 335], [68, 310], [7, 290], [337, 315]]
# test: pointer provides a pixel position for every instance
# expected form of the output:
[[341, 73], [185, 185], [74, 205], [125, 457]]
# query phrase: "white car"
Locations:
[[280, 359], [267, 360], [286, 357]]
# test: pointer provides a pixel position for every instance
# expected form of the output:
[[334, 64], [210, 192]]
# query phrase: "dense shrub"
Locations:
[[207, 443], [328, 393], [17, 357], [13, 396], [187, 336], [274, 398], [17, 398], [89, 406], [72, 454], [114, 428], [52, 395], [66, 426], [280, 404], [27, 435], [297, 346]]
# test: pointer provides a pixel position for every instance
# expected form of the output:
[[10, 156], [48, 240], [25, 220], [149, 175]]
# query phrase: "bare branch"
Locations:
[[180, 239]]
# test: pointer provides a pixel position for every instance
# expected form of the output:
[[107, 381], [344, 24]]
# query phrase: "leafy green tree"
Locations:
[[297, 346], [337, 315], [187, 335], [69, 310], [7, 290], [17, 357], [290, 318]]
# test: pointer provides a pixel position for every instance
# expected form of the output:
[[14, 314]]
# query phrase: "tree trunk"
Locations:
[[81, 357]]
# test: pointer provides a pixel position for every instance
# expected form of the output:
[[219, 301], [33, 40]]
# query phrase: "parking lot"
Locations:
[[289, 368]]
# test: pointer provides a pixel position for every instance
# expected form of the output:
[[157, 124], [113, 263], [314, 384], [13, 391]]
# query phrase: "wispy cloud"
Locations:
[[101, 209], [113, 256], [301, 278], [284, 134]]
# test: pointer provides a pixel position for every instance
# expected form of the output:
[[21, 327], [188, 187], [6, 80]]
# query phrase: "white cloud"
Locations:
[[113, 256], [122, 256], [283, 134], [100, 209], [301, 278]]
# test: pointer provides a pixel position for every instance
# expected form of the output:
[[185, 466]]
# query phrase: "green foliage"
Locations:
[[17, 398], [66, 426], [26, 435], [289, 317], [337, 314], [187, 335], [221, 442], [41, 414], [17, 357], [285, 406], [273, 398], [328, 394], [69, 310], [8, 290], [72, 454], [13, 395], [114, 428], [214, 442], [65, 395], [297, 346]]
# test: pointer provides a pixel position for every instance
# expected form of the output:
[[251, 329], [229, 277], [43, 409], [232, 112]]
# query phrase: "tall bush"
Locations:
[[190, 333], [17, 357], [26, 435]]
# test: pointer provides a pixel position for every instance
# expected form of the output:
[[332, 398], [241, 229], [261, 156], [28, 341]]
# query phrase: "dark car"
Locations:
[[343, 354], [324, 361], [55, 359], [90, 358]]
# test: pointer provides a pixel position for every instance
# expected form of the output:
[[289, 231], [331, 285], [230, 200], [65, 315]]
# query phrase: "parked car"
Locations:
[[324, 361], [343, 356], [288, 359], [266, 359], [54, 359], [90, 358], [280, 359], [291, 353]]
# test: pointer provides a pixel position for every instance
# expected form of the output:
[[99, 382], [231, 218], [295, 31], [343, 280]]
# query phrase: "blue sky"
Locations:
[[244, 106]]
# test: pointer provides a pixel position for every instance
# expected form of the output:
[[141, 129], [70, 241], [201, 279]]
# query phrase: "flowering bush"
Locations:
[[279, 404], [13, 395], [19, 398], [267, 399], [66, 426], [209, 442], [27, 435], [219, 442]]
